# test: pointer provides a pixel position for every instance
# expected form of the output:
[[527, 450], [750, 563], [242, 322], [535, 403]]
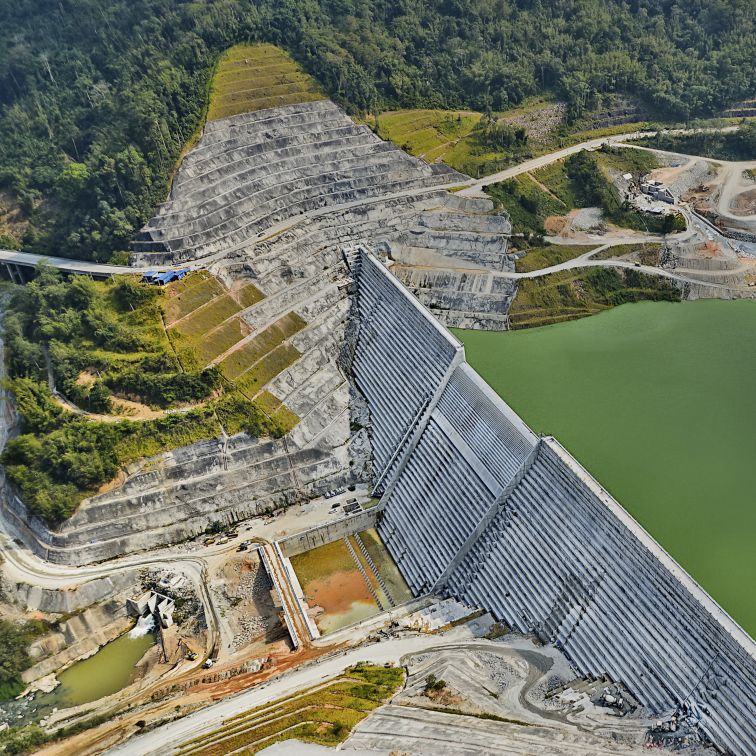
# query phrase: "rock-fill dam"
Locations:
[[477, 507]]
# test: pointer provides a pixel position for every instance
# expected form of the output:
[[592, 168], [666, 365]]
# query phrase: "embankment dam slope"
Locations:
[[479, 508]]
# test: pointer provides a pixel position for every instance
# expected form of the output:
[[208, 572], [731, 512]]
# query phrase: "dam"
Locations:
[[474, 505], [477, 507]]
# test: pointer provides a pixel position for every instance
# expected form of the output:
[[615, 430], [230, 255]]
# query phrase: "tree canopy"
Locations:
[[97, 97]]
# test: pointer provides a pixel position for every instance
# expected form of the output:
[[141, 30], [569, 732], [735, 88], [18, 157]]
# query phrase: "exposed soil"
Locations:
[[555, 224], [85, 378], [12, 220], [709, 249], [337, 592], [118, 481], [744, 203], [244, 601]]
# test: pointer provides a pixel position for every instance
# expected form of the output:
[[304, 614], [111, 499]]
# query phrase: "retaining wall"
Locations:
[[328, 532]]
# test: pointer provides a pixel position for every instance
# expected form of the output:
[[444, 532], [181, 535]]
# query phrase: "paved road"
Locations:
[[104, 270], [473, 188], [476, 187], [20, 565], [587, 260], [733, 184]]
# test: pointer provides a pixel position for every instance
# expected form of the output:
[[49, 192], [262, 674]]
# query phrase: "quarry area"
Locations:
[[390, 560]]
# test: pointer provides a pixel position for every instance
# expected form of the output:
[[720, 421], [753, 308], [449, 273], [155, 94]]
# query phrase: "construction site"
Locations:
[[405, 532]]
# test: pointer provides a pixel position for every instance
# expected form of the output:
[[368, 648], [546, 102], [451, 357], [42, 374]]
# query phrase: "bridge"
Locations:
[[14, 262]]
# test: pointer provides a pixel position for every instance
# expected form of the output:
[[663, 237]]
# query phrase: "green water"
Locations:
[[109, 670], [658, 401]]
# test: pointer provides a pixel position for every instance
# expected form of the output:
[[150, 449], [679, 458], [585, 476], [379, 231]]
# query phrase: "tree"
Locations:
[[14, 658]]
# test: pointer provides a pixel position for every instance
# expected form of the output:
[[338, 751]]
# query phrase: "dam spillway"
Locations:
[[477, 507]]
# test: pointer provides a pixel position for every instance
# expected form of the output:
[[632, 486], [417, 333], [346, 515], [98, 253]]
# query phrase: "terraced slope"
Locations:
[[430, 134], [323, 714], [254, 77], [254, 172], [206, 325]]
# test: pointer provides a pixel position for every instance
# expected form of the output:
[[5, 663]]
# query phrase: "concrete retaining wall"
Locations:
[[329, 532]]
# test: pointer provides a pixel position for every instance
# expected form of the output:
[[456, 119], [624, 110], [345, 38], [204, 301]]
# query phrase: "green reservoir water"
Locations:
[[658, 401], [108, 671]]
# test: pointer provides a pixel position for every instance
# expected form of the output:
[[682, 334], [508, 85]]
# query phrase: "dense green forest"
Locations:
[[97, 97]]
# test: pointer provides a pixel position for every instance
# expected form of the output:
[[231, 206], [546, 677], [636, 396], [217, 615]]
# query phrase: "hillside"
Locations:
[[98, 99], [254, 77], [108, 373], [479, 144], [579, 181]]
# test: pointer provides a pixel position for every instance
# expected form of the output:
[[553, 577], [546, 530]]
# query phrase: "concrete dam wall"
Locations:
[[479, 508]]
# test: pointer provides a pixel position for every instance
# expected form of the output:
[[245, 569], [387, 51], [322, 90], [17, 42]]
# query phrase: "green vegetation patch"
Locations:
[[266, 369], [538, 258], [221, 339], [237, 414], [580, 180], [572, 294], [430, 134], [185, 296], [96, 340], [262, 344], [199, 322], [526, 204], [593, 188], [248, 295], [275, 408], [556, 181], [470, 142], [203, 323], [627, 160], [324, 714], [15, 638], [480, 144], [564, 179], [646, 253], [60, 458], [254, 77], [104, 340], [735, 145]]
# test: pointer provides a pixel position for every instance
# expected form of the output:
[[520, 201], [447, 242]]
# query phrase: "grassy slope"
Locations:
[[249, 78], [254, 77], [449, 136], [214, 325], [538, 258], [647, 253], [324, 715], [572, 294], [526, 204], [429, 134]]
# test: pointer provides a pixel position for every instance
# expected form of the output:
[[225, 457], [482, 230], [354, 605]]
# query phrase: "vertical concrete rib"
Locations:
[[492, 511]]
